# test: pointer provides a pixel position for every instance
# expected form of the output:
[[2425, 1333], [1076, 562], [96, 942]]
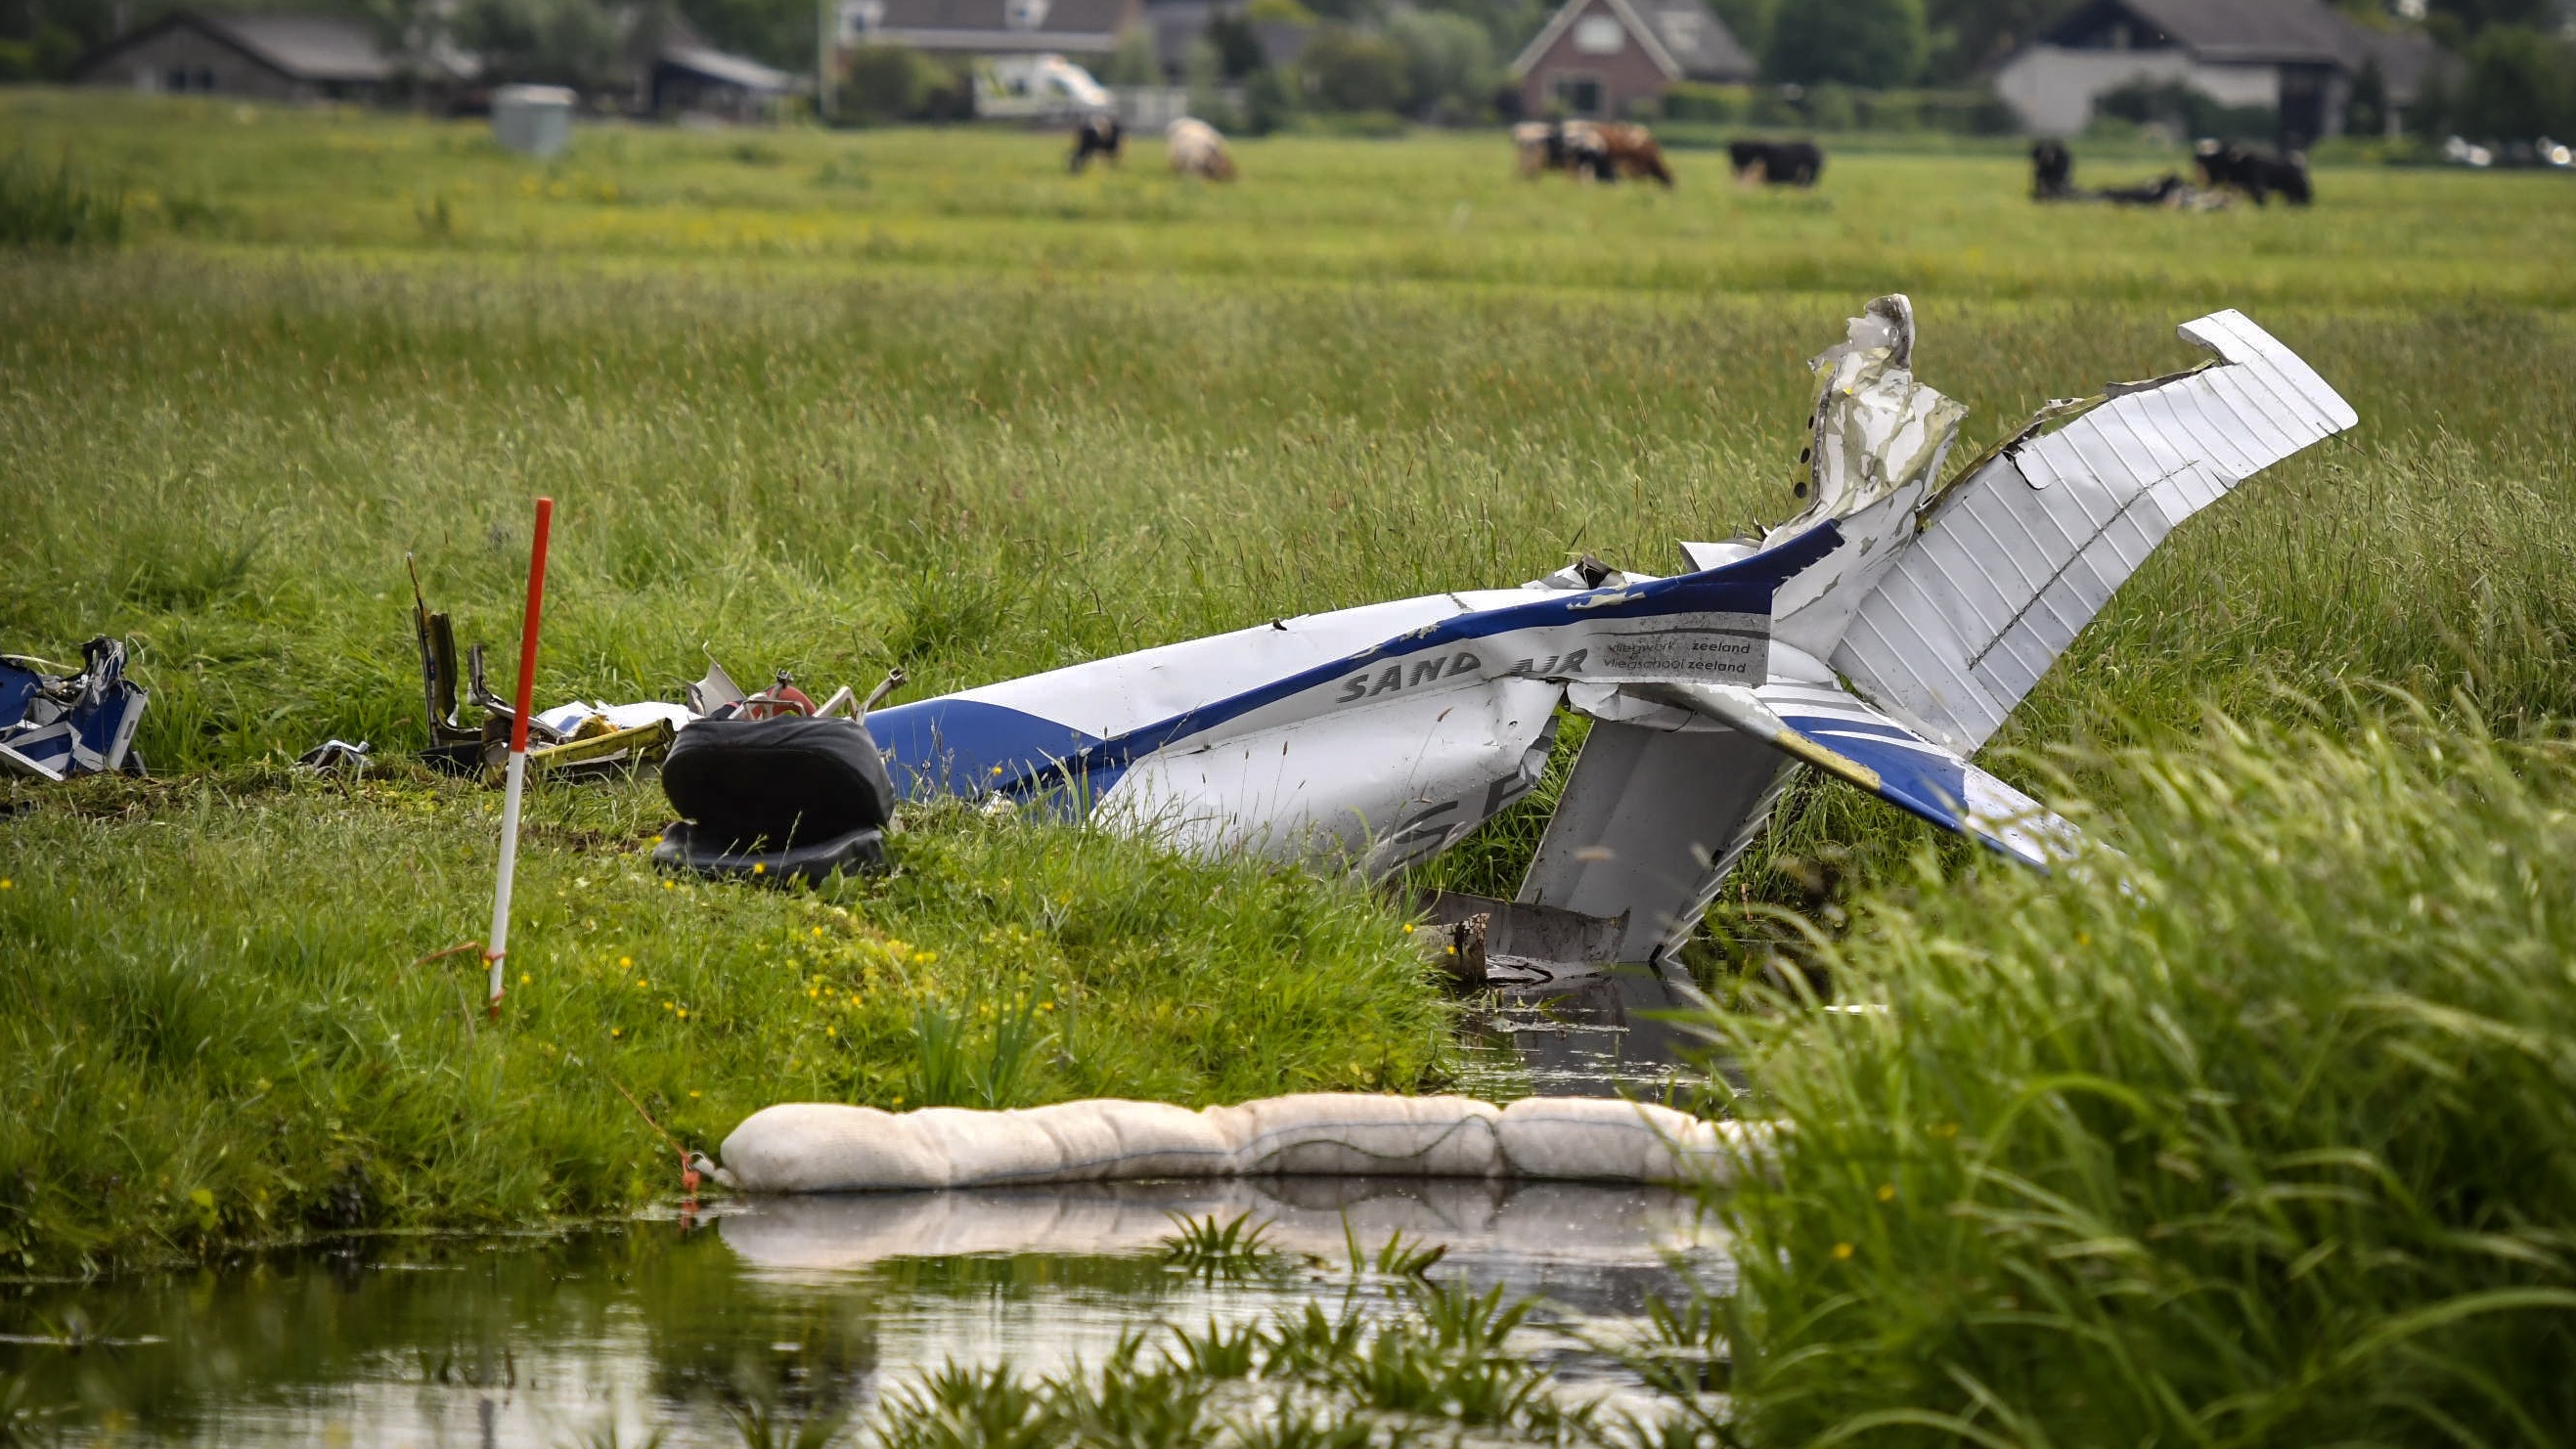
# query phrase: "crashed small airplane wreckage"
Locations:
[[55, 726], [1881, 636]]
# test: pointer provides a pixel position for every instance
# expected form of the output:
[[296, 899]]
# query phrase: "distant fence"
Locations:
[[1150, 108]]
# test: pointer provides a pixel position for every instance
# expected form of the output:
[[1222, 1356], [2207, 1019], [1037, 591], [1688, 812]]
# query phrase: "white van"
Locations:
[[1037, 88]]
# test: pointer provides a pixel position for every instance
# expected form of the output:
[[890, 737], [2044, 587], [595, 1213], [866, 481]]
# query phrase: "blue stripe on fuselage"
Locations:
[[971, 748], [951, 746]]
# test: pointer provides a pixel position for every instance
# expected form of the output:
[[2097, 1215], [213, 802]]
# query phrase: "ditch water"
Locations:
[[673, 1326]]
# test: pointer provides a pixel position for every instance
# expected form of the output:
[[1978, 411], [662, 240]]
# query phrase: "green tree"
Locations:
[[885, 82], [554, 42], [1347, 70], [1236, 46], [2366, 112], [1509, 24], [1875, 43], [1134, 62], [1749, 21], [2467, 19], [1969, 36], [2520, 84], [1449, 61]]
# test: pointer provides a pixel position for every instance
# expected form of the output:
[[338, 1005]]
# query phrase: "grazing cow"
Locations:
[[2052, 172], [2256, 173], [1780, 163], [1197, 150], [1100, 136], [1540, 146], [1589, 150], [1628, 151]]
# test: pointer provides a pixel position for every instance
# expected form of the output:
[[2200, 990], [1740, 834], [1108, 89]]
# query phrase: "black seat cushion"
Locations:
[[774, 782], [812, 860]]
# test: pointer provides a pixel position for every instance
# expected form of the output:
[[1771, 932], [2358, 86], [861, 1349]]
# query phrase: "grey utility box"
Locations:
[[533, 120]]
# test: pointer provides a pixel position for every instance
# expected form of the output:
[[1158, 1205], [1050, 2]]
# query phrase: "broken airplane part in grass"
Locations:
[[1882, 636]]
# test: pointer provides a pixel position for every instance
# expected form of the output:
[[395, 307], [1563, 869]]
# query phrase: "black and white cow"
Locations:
[[1100, 135], [1780, 163], [2256, 173]]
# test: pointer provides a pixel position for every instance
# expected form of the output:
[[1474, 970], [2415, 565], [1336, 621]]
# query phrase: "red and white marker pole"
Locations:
[[516, 778]]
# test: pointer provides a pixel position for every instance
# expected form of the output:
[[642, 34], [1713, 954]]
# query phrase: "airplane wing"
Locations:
[[2019, 555], [1835, 731]]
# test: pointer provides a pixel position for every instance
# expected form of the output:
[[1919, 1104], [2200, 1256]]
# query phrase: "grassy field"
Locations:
[[836, 402]]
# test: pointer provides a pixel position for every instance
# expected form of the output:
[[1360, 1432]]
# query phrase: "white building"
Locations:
[[2299, 57]]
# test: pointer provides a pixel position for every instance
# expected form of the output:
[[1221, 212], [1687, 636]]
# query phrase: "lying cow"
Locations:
[[1779, 163], [2256, 173], [1100, 136], [1197, 150]]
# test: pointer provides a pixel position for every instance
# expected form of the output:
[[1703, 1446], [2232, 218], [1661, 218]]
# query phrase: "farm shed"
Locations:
[[263, 57], [1085, 30]]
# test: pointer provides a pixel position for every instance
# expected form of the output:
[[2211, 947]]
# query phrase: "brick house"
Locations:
[[1605, 58]]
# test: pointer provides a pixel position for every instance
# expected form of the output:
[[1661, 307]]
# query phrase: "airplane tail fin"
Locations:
[[2020, 553]]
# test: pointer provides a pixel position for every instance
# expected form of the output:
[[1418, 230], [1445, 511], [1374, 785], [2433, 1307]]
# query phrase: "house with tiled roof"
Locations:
[[2296, 57], [1607, 58]]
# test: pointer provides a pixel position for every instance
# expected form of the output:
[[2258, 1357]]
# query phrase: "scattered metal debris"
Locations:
[[1881, 636], [57, 725], [335, 756]]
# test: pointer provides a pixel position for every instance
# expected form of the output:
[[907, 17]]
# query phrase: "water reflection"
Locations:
[[654, 1326], [1610, 1031]]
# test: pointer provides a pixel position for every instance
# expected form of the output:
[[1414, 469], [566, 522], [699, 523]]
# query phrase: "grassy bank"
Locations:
[[214, 1027], [832, 403]]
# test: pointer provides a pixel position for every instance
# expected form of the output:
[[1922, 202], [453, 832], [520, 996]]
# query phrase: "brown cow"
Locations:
[[1590, 150]]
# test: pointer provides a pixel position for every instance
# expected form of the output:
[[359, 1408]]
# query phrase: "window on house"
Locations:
[[858, 17], [1579, 95], [1599, 35], [176, 83]]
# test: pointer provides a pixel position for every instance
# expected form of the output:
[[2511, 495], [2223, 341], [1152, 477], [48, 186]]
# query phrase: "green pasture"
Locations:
[[838, 402]]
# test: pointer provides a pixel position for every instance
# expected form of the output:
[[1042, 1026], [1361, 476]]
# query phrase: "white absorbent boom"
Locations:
[[818, 1147]]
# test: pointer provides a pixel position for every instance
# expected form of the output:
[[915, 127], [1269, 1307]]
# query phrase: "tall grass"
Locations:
[[2258, 1134], [58, 208]]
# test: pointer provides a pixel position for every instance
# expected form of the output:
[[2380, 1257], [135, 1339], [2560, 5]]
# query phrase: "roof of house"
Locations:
[[2229, 31], [316, 48], [313, 47], [1178, 23], [732, 70], [1684, 38], [2407, 58], [2267, 32], [988, 24]]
